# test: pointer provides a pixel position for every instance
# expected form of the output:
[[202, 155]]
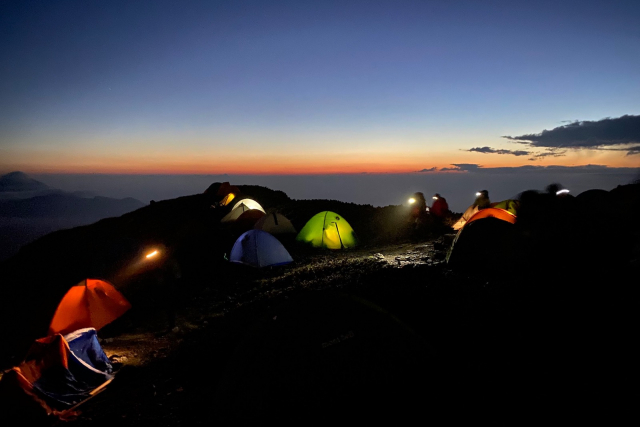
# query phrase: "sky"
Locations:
[[350, 94]]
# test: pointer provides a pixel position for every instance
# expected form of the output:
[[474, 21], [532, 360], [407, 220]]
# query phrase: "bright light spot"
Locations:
[[478, 194], [565, 191], [435, 198], [152, 254], [412, 201]]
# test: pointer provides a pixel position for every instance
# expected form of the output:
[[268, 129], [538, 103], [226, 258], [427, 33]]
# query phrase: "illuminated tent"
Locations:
[[465, 217], [275, 223], [508, 205], [239, 208], [91, 303], [58, 373], [328, 230], [250, 203], [227, 199], [247, 220], [486, 242], [258, 248], [494, 213], [225, 188]]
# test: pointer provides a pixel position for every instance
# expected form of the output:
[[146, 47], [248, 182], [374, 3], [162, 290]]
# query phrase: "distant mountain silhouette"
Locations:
[[67, 206], [19, 181], [30, 209]]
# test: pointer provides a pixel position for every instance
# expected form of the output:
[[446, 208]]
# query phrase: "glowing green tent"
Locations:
[[508, 205], [328, 230]]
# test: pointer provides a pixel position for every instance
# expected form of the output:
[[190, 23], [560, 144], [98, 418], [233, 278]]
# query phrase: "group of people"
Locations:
[[439, 209]]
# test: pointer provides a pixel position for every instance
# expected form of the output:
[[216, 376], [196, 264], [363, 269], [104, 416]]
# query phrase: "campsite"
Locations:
[[309, 310]]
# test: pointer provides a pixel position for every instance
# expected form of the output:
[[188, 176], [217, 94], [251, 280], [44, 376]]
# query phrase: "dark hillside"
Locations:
[[384, 329], [113, 249]]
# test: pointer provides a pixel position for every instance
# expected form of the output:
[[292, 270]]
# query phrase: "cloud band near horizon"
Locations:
[[608, 134], [616, 134]]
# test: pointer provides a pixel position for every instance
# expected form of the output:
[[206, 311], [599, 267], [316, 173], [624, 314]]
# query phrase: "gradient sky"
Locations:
[[318, 87]]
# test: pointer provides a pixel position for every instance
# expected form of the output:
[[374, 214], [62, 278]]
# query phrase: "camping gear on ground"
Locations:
[[486, 243], [275, 223], [58, 373], [239, 208], [258, 248], [323, 353], [91, 303], [328, 230]]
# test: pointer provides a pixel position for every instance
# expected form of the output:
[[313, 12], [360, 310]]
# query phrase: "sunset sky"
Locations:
[[317, 87]]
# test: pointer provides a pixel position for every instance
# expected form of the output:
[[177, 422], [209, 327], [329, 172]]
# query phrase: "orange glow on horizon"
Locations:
[[313, 163]]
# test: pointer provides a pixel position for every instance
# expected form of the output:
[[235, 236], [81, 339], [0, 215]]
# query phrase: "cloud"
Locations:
[[590, 169], [619, 134], [551, 152], [433, 169], [582, 169], [633, 150], [462, 167], [489, 150]]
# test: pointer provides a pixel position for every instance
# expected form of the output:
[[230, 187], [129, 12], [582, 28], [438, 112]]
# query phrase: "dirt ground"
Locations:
[[384, 331], [422, 337], [169, 376]]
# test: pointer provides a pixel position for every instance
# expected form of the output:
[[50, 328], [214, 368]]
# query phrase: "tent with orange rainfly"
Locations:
[[487, 242], [92, 303], [68, 366], [58, 374]]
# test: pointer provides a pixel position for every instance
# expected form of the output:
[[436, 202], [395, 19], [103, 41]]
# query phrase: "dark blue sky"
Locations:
[[258, 87]]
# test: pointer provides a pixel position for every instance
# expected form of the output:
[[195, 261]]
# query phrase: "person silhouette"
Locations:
[[482, 200], [440, 207]]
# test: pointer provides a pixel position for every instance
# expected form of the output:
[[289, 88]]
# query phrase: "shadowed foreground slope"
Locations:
[[384, 330]]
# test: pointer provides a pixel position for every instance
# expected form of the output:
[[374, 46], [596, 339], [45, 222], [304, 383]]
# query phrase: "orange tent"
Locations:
[[227, 199], [226, 188], [91, 303], [495, 213]]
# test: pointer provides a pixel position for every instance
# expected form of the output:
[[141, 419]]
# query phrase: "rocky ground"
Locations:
[[384, 330], [457, 346], [173, 376]]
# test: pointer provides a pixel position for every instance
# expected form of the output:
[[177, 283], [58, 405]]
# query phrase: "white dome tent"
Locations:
[[240, 207], [258, 248]]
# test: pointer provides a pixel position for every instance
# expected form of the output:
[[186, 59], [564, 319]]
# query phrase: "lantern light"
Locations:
[[152, 254]]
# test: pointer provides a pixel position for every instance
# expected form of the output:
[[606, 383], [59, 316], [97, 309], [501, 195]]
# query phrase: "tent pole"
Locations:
[[324, 221], [339, 237]]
